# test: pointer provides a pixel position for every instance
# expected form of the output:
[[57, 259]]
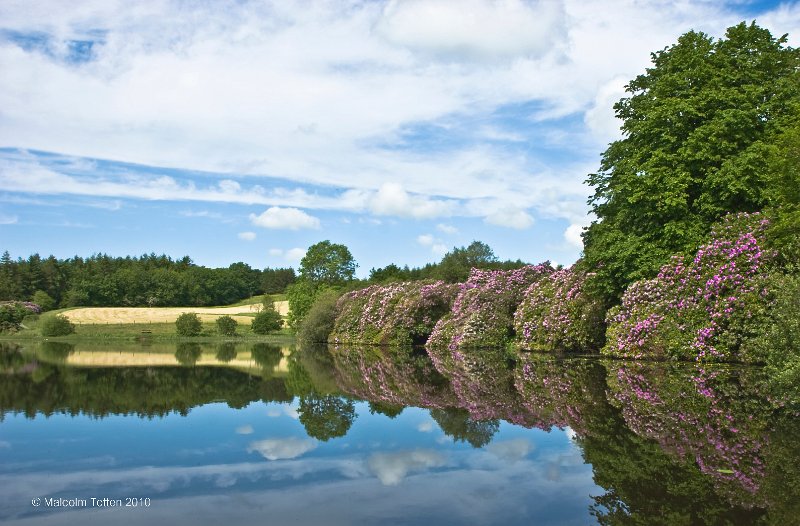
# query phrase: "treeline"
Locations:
[[145, 281], [453, 268]]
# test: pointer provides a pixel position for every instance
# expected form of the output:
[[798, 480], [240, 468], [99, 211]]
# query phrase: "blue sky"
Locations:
[[247, 131]]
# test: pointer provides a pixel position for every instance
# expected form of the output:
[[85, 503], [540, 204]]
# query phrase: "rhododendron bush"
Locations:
[[483, 313], [718, 417], [399, 377], [396, 314], [558, 314], [707, 308]]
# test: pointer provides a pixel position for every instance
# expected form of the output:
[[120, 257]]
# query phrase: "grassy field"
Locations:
[[138, 315], [158, 323]]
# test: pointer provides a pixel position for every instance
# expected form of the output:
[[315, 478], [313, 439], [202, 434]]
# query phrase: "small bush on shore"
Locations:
[[57, 325], [267, 320], [188, 324], [226, 325]]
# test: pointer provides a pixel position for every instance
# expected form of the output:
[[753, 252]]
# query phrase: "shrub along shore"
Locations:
[[731, 301]]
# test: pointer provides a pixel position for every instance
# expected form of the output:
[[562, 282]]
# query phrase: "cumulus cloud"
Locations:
[[474, 29], [392, 468], [246, 429], [295, 254], [425, 427], [356, 100], [446, 229], [276, 217], [282, 448], [425, 240], [511, 218], [437, 246], [511, 450], [246, 236], [573, 235], [392, 199]]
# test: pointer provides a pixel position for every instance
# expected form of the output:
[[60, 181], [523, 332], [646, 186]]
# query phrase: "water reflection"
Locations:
[[477, 437]]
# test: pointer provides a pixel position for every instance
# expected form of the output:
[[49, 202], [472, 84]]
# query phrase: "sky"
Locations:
[[247, 131]]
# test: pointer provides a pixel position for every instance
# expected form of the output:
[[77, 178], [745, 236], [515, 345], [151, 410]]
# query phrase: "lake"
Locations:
[[246, 434]]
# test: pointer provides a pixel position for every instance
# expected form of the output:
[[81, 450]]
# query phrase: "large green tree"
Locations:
[[327, 263], [698, 134]]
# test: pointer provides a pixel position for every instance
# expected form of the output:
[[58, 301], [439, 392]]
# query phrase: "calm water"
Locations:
[[267, 435]]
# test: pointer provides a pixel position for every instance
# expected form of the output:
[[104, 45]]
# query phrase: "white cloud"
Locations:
[[511, 450], [282, 448], [425, 240], [246, 429], [392, 199], [573, 235], [425, 427], [474, 29], [446, 229], [295, 254], [317, 94], [438, 248], [511, 218], [8, 220], [246, 236], [392, 468], [284, 218]]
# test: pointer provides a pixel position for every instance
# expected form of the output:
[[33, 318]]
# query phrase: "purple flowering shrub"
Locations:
[[483, 383], [707, 307], [560, 393], [483, 313], [393, 314], [558, 314], [391, 377], [719, 418], [13, 312]]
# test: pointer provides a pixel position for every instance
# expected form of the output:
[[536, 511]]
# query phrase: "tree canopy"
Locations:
[[699, 128], [327, 263]]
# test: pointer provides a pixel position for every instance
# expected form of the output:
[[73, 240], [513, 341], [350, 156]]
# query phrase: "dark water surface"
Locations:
[[260, 434]]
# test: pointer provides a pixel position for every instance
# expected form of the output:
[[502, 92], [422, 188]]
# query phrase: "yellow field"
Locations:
[[242, 314]]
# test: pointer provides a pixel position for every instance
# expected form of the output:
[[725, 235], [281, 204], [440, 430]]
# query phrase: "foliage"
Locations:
[[13, 312], [187, 353], [145, 281], [717, 417], [706, 308], [392, 314], [226, 325], [142, 391], [319, 320], [698, 131], [226, 352], [275, 280], [483, 312], [301, 296], [188, 324], [58, 325], [780, 341], [461, 427], [44, 300], [459, 262], [266, 355], [267, 320], [327, 263], [326, 417], [391, 376], [558, 313]]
